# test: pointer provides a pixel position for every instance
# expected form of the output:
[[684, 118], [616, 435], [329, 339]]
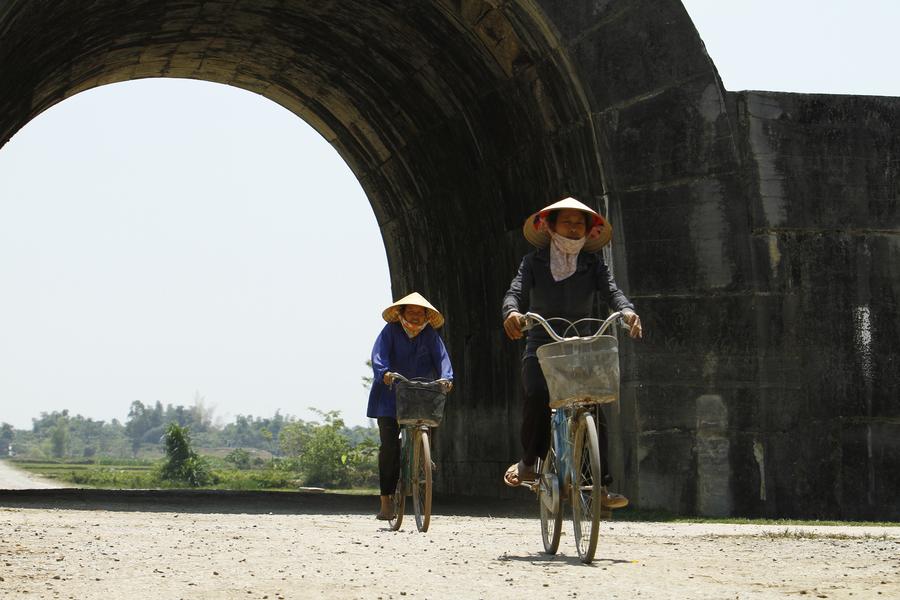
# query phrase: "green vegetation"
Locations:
[[182, 464], [176, 446], [633, 514]]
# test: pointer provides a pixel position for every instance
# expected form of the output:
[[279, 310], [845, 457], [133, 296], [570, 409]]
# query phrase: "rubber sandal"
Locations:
[[512, 479]]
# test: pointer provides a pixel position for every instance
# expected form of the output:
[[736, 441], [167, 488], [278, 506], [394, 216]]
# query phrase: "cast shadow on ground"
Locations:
[[543, 559], [243, 502]]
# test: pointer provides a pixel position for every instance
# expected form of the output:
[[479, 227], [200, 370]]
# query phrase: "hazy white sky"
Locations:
[[161, 239]]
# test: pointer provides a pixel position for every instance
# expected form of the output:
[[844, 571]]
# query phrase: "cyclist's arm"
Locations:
[[610, 293], [517, 294], [381, 353], [441, 358], [615, 300]]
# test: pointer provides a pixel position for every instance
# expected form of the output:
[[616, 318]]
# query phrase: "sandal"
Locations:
[[512, 478]]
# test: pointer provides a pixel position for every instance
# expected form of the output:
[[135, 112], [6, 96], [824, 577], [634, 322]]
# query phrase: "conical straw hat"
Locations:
[[535, 227], [392, 313]]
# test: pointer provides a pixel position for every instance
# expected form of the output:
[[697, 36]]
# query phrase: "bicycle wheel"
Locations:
[[398, 498], [586, 487], [548, 500], [421, 480], [398, 501]]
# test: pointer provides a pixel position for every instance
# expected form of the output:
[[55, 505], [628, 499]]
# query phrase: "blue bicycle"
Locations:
[[582, 373]]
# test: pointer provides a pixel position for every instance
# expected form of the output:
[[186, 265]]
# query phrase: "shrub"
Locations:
[[239, 457], [182, 464]]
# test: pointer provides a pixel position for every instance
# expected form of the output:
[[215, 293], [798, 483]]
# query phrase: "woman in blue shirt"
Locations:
[[410, 346]]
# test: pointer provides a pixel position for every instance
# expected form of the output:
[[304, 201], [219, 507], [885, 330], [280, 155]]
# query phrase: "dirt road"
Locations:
[[141, 553], [15, 479]]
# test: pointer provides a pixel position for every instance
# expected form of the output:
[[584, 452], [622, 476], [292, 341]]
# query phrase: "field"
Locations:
[[144, 474]]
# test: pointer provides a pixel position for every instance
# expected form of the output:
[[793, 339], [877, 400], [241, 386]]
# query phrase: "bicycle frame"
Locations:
[[562, 440]]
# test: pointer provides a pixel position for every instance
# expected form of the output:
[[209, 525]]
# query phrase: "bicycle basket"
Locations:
[[581, 371], [420, 402]]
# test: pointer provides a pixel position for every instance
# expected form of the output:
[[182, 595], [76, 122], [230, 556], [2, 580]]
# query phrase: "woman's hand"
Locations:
[[513, 325], [634, 323], [388, 378]]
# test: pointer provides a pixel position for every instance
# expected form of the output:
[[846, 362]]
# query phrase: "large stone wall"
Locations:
[[460, 117], [823, 177]]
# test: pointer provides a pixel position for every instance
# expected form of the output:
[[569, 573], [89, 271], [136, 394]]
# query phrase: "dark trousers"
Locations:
[[536, 420], [388, 455]]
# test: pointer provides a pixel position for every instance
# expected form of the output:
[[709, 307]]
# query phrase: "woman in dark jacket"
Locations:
[[410, 346], [560, 279]]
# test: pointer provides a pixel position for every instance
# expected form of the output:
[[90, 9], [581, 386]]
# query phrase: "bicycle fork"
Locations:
[[562, 440]]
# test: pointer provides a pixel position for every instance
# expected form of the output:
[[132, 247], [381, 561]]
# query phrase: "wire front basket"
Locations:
[[420, 402], [581, 371]]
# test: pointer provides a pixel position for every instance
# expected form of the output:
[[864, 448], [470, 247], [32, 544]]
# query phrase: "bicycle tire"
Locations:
[[549, 502], [585, 490], [421, 481], [398, 501]]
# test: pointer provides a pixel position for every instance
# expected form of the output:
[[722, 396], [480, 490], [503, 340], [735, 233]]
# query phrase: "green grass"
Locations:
[[144, 474], [798, 534], [633, 514]]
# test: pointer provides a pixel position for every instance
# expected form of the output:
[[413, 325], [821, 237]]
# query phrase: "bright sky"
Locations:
[[163, 239]]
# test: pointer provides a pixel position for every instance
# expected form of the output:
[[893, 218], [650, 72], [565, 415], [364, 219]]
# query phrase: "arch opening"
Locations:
[[169, 240]]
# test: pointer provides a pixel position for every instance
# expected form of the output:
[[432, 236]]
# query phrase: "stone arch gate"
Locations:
[[459, 117]]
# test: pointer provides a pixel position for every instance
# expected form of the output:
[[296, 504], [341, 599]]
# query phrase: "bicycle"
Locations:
[[582, 373], [420, 406]]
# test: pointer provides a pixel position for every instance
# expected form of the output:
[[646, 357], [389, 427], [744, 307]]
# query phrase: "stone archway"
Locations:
[[459, 117]]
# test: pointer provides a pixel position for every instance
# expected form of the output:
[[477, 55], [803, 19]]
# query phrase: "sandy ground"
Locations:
[[151, 552], [16, 479]]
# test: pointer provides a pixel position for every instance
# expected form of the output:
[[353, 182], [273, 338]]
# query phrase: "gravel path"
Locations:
[[12, 478], [141, 553]]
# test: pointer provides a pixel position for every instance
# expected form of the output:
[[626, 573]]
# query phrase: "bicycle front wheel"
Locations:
[[549, 502], [398, 501], [421, 481], [585, 489]]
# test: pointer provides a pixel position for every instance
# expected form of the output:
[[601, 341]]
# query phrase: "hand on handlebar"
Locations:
[[513, 325], [633, 322], [446, 384]]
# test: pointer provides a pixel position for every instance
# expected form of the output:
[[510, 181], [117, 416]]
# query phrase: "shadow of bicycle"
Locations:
[[556, 559]]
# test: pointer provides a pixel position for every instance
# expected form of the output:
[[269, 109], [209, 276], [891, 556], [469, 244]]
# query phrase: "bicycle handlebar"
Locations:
[[398, 377], [532, 319]]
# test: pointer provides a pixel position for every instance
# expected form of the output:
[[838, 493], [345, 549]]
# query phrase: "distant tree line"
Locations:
[[60, 435]]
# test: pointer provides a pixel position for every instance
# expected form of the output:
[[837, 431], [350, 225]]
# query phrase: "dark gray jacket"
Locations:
[[533, 289]]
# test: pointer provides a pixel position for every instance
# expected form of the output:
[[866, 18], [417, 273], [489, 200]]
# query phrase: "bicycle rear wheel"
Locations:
[[549, 502], [421, 480], [586, 487]]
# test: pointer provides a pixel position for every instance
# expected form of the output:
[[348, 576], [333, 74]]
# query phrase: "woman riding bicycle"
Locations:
[[410, 346], [560, 279]]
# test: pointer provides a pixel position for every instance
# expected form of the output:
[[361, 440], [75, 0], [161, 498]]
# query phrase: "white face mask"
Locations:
[[565, 245], [564, 255]]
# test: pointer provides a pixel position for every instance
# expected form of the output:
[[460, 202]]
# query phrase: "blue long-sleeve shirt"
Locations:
[[422, 356]]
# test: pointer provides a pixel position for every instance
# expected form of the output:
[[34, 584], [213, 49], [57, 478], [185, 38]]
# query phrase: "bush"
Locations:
[[182, 464], [239, 457], [324, 460]]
